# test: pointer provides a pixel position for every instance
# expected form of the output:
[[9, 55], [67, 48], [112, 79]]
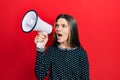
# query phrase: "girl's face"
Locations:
[[62, 30]]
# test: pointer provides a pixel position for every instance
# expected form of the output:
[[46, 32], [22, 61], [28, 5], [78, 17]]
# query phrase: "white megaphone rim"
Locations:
[[35, 21]]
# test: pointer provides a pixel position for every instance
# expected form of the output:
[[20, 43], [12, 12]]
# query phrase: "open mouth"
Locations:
[[59, 35]]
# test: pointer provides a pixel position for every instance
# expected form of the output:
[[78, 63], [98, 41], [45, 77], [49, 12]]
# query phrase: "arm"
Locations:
[[42, 61], [85, 66], [42, 64]]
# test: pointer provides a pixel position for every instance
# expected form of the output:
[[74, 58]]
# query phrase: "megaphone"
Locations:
[[31, 22]]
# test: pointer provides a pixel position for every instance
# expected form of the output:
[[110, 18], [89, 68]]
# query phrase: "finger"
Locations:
[[41, 37], [35, 40], [41, 33], [45, 35], [38, 39]]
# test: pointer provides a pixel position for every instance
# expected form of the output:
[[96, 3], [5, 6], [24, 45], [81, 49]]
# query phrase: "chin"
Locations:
[[60, 41]]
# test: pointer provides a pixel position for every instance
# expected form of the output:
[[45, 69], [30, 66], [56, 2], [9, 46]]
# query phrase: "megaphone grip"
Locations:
[[39, 44]]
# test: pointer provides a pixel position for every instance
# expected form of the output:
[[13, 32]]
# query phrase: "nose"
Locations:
[[59, 28]]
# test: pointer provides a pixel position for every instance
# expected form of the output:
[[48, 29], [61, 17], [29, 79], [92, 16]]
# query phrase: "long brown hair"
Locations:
[[74, 37]]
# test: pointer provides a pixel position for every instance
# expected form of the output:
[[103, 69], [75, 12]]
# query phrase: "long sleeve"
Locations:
[[42, 64], [64, 64], [85, 66]]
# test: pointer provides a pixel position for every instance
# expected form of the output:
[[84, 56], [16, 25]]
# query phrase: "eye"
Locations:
[[56, 25], [63, 25]]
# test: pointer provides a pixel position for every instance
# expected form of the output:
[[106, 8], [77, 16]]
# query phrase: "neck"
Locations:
[[64, 45]]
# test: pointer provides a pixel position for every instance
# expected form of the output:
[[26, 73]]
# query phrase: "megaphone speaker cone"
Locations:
[[29, 21]]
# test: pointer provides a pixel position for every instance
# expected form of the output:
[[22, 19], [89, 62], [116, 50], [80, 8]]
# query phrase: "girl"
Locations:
[[66, 58]]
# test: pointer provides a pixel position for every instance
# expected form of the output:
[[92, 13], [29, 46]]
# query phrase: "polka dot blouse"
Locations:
[[64, 64]]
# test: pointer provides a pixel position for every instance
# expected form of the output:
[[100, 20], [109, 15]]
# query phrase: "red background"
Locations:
[[99, 30]]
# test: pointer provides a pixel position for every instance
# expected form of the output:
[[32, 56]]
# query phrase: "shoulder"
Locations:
[[82, 51], [83, 57]]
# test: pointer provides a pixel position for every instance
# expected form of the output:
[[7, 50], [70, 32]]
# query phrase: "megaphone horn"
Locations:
[[31, 22]]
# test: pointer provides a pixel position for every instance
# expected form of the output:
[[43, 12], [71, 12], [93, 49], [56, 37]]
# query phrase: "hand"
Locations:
[[42, 38]]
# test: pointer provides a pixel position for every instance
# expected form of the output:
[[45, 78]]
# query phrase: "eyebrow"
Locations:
[[60, 24]]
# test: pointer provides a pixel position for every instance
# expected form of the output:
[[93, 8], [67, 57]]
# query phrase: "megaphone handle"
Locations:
[[39, 44]]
